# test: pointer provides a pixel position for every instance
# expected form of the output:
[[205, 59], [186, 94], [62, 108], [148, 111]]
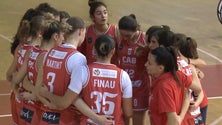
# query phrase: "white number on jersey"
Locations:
[[51, 76], [31, 77], [101, 102], [130, 72]]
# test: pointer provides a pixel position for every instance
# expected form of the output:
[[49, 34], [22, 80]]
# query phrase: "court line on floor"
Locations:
[[209, 54], [205, 52], [215, 122], [7, 115], [5, 37], [5, 94], [216, 97]]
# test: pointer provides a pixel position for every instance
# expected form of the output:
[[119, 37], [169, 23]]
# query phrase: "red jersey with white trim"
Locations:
[[184, 66], [32, 66], [32, 70], [17, 105], [167, 96], [30, 107], [134, 65], [57, 78], [103, 92], [55, 74], [23, 49], [186, 69], [90, 38]]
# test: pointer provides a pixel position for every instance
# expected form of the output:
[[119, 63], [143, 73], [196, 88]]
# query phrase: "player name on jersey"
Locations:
[[104, 83], [54, 64]]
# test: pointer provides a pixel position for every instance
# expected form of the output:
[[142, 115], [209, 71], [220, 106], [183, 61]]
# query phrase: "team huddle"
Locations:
[[66, 73]]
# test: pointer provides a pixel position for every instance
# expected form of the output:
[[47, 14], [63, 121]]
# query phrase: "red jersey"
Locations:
[[32, 66], [134, 65], [184, 66], [32, 70], [103, 92], [167, 96], [16, 103], [24, 48], [193, 116], [90, 38], [57, 78], [32, 108]]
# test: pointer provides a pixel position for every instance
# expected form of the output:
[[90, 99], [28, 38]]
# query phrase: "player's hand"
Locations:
[[50, 105], [193, 106], [17, 94], [104, 120], [43, 90], [179, 120], [28, 96], [200, 74], [140, 50]]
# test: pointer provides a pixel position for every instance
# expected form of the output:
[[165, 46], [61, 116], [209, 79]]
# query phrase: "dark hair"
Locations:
[[37, 25], [94, 6], [64, 15], [92, 1], [153, 29], [186, 45], [103, 45], [31, 29], [168, 58], [14, 45], [51, 27], [26, 18], [163, 36], [31, 13], [45, 7], [72, 24], [129, 23], [23, 30]]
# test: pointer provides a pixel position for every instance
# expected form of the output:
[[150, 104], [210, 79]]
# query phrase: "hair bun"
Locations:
[[133, 16]]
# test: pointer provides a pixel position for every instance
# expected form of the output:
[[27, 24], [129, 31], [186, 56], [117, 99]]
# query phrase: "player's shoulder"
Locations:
[[78, 56]]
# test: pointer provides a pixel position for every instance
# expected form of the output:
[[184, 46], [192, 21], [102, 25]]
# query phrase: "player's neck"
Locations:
[[47, 46], [101, 29], [107, 61], [134, 38]]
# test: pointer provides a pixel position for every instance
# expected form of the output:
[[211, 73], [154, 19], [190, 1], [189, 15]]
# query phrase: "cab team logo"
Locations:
[[219, 11]]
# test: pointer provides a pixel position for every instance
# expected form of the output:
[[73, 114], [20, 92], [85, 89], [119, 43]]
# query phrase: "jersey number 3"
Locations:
[[51, 76]]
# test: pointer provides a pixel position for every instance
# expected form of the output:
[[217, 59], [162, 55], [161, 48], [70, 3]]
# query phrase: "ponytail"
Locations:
[[23, 30], [172, 51], [103, 45]]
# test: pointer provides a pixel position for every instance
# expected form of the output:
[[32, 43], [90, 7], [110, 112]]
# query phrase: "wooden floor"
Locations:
[[195, 18], [214, 108]]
